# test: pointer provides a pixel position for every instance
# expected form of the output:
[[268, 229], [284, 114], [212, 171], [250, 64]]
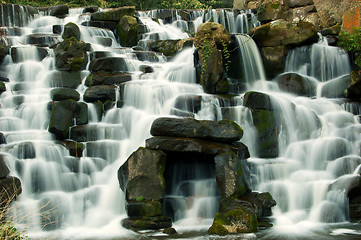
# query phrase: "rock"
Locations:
[[170, 231], [239, 220], [2, 138], [147, 223], [59, 94], [231, 179], [269, 10], [257, 100], [104, 41], [353, 91], [70, 55], [274, 60], [332, 11], [22, 150], [284, 33], [10, 189], [297, 84], [210, 39], [240, 4], [42, 39], [261, 202], [75, 149], [128, 30], [81, 113], [267, 128], [179, 144], [108, 64], [107, 78], [100, 93], [219, 131], [17, 54], [143, 208], [336, 88], [4, 170], [90, 9], [71, 30], [101, 24], [170, 47], [349, 184], [59, 11], [146, 69], [83, 133], [64, 79], [61, 118], [4, 51], [299, 3], [147, 56], [142, 175], [113, 15]]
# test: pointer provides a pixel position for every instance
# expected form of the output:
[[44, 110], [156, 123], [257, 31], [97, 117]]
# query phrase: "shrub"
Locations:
[[352, 43]]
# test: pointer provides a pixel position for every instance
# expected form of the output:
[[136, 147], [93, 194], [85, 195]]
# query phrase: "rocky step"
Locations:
[[42, 39], [98, 131]]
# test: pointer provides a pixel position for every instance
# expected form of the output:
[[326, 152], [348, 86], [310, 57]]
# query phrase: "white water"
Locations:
[[87, 202]]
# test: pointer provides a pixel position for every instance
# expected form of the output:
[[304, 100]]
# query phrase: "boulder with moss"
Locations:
[[71, 55], [170, 47], [128, 31], [211, 41], [113, 15], [71, 30]]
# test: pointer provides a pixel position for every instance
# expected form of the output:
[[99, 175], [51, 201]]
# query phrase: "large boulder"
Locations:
[[353, 91], [219, 131], [59, 11], [108, 64], [71, 30], [141, 176], [230, 176], [336, 88], [59, 94], [61, 118], [269, 10], [128, 30], [4, 170], [113, 15], [211, 41], [274, 60], [170, 47], [100, 93], [64, 79], [107, 78], [233, 221], [284, 33], [297, 84], [194, 145], [70, 55]]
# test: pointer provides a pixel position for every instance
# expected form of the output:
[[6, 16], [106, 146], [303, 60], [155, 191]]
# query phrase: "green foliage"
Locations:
[[8, 231], [183, 4], [352, 43]]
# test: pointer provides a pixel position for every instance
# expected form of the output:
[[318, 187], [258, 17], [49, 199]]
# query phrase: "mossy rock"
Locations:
[[71, 30], [70, 55], [128, 30], [113, 15], [234, 221], [170, 47], [61, 118], [212, 32], [143, 208], [59, 94]]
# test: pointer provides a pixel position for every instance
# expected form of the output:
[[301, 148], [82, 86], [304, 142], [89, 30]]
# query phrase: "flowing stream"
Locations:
[[319, 142]]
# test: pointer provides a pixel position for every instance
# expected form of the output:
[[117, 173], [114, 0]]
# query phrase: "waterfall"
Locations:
[[78, 197]]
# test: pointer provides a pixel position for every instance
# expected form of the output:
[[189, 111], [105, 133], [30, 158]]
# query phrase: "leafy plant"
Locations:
[[352, 43]]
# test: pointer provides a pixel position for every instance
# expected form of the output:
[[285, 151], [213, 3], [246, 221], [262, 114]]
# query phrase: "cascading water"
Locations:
[[80, 198]]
